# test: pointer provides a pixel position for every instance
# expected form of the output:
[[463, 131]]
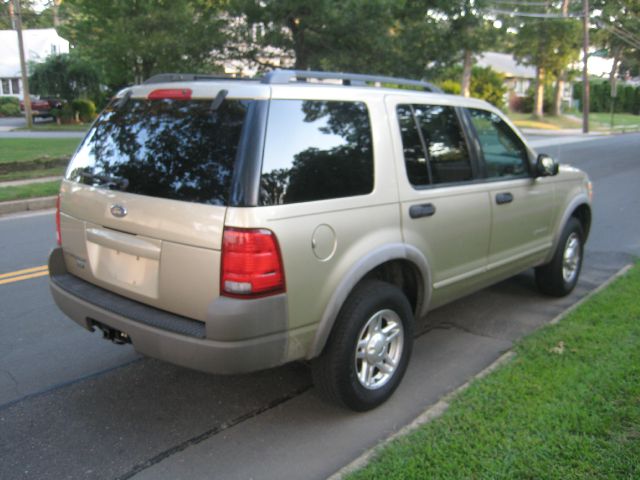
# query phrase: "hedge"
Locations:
[[627, 100]]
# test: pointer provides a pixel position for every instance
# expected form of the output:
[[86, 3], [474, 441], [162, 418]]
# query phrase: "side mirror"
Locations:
[[546, 166]]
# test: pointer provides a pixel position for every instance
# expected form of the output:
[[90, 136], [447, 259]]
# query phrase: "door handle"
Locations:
[[424, 210], [502, 198]]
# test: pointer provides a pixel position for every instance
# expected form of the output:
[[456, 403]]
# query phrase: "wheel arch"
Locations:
[[399, 264], [580, 208]]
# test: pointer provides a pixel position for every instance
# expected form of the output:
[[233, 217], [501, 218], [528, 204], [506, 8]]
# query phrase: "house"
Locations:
[[518, 78], [38, 45]]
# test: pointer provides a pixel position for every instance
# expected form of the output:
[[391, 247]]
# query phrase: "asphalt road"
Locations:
[[75, 406]]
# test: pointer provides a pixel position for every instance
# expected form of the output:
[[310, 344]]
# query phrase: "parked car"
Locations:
[[233, 225], [41, 107]]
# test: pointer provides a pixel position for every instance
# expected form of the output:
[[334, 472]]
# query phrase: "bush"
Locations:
[[85, 109], [488, 85], [9, 107], [451, 86], [67, 114], [547, 102]]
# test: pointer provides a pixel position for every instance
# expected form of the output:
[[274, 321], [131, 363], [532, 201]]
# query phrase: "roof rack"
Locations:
[[187, 77], [282, 77], [286, 76]]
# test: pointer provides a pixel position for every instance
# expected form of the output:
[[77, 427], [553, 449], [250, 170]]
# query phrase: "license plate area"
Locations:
[[132, 270]]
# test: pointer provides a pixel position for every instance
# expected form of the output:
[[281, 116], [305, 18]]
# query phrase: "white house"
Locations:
[[517, 78], [38, 45]]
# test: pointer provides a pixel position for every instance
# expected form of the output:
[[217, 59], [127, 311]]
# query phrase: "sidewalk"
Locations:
[[27, 181]]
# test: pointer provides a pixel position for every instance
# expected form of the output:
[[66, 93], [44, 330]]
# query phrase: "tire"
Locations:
[[559, 277], [378, 316]]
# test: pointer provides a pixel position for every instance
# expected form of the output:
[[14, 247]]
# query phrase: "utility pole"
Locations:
[[17, 24], [585, 70]]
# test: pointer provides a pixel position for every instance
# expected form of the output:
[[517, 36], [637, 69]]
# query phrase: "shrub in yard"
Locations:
[[450, 86], [9, 107], [488, 85], [67, 114], [9, 100], [547, 101], [85, 109]]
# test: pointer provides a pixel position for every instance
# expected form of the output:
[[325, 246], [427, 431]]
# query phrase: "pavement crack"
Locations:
[[10, 375], [448, 325], [213, 431], [59, 386]]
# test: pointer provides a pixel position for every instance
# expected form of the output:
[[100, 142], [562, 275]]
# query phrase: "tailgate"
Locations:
[[164, 253]]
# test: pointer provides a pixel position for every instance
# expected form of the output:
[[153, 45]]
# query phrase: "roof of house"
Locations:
[[505, 63], [38, 45]]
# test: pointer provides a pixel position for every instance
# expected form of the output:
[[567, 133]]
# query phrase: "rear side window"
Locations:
[[504, 154], [175, 149], [434, 146], [316, 150]]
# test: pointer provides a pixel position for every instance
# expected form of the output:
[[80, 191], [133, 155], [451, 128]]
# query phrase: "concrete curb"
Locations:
[[436, 410], [30, 204]]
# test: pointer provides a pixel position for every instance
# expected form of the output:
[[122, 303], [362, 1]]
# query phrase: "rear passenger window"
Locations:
[[434, 147], [316, 150], [504, 154]]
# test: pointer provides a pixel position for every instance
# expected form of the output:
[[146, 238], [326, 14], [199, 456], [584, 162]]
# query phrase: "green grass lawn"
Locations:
[[32, 190], [20, 149], [598, 121], [26, 174], [526, 120], [54, 127], [566, 407], [604, 119]]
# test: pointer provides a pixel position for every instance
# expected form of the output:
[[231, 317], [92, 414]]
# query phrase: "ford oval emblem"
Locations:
[[118, 211]]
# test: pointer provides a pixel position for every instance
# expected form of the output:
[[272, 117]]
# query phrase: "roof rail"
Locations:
[[187, 77], [286, 76]]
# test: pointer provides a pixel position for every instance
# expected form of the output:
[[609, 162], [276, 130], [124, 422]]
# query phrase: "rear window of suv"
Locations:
[[316, 150], [174, 149]]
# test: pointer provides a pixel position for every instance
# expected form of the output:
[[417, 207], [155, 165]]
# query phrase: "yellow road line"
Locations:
[[22, 272], [24, 277], [27, 273]]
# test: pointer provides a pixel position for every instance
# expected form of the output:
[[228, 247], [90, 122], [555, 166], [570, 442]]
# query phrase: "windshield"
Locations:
[[175, 149]]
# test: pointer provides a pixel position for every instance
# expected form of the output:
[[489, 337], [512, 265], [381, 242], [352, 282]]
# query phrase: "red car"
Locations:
[[41, 107]]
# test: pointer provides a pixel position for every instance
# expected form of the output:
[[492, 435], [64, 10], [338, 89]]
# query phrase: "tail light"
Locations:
[[251, 264], [170, 94], [58, 232]]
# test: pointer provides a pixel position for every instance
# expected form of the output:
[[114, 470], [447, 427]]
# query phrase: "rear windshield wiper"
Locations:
[[218, 100], [107, 180]]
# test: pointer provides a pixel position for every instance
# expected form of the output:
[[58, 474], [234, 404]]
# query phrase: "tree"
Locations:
[[130, 40], [619, 21], [549, 44], [311, 34], [31, 18], [66, 76], [469, 33]]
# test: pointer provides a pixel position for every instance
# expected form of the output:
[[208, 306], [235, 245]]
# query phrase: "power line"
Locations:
[[523, 3], [511, 13]]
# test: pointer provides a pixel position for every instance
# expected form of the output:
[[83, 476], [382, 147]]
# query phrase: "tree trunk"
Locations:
[[466, 74], [617, 53], [56, 8], [538, 101], [299, 47], [562, 75], [557, 101]]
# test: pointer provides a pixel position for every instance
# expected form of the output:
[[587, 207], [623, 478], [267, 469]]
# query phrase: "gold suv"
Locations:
[[235, 225]]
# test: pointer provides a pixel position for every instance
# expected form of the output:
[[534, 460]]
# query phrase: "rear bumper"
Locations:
[[239, 345]]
